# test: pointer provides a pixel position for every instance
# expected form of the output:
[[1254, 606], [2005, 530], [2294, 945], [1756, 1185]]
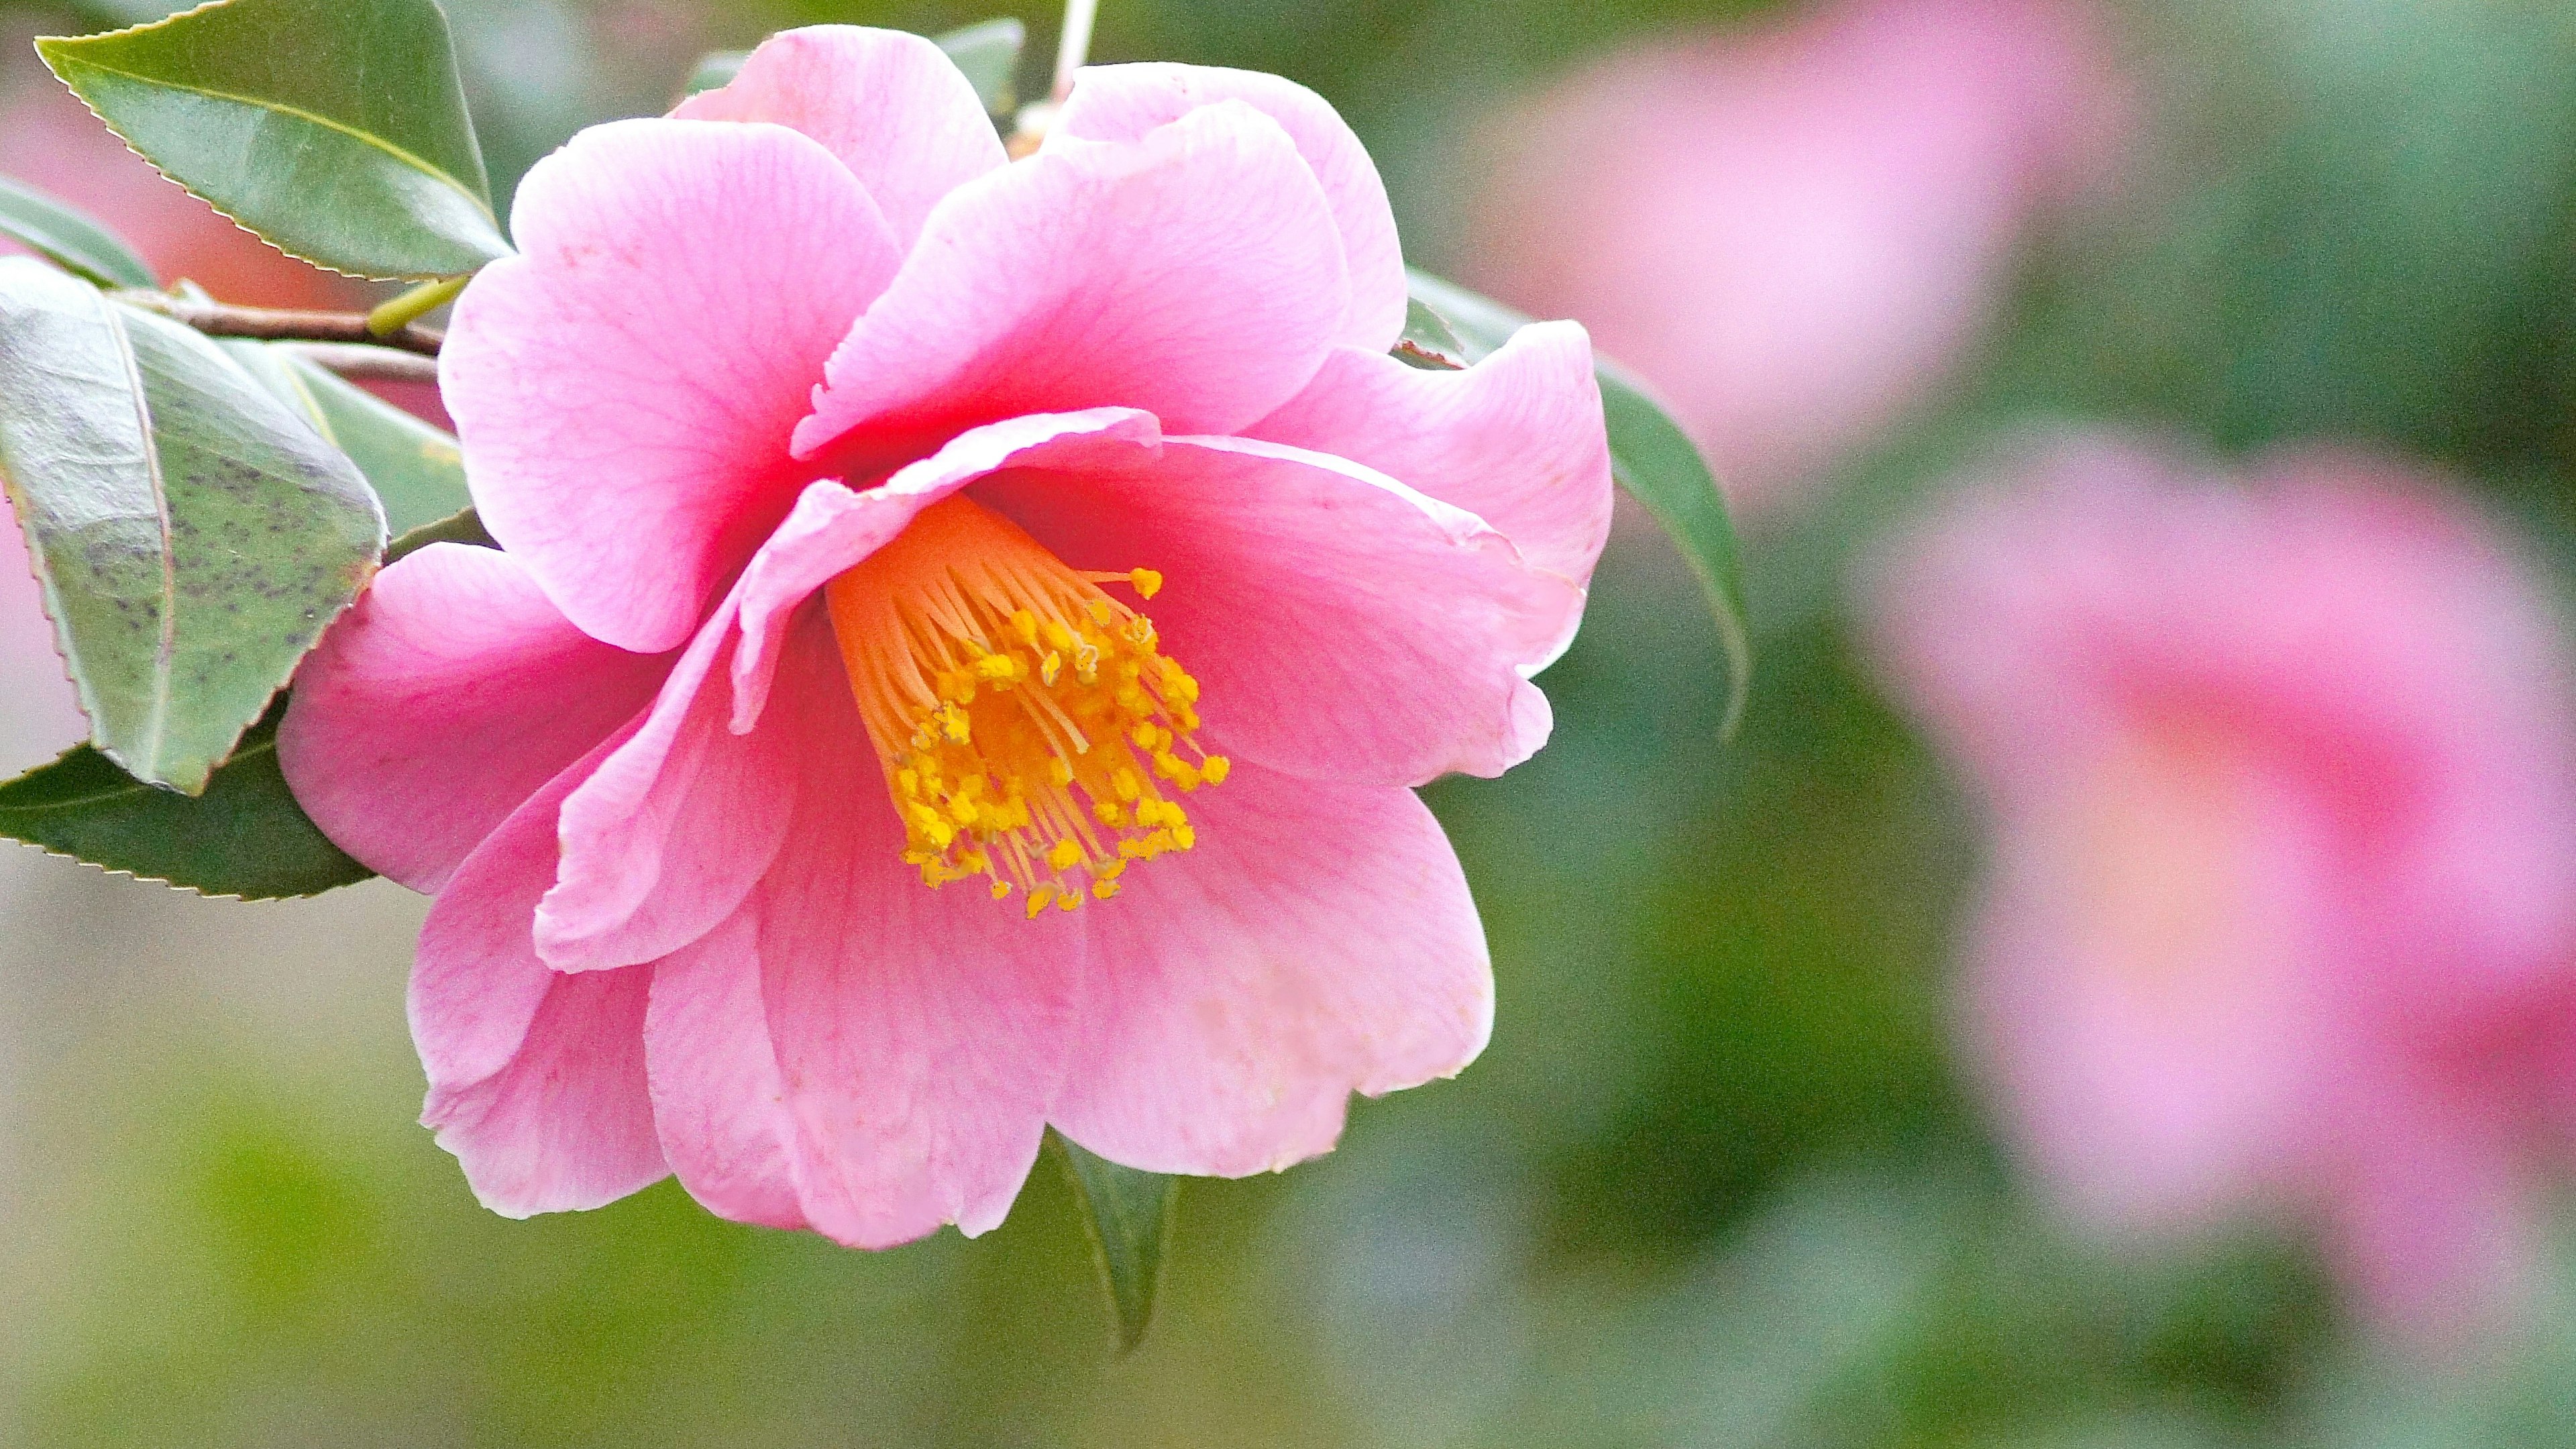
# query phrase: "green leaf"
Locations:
[[989, 53], [1128, 1216], [1649, 454], [191, 536], [71, 238], [335, 129], [418, 471], [244, 837]]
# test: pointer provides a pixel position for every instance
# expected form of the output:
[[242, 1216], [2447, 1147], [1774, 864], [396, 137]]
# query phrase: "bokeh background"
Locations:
[[1732, 1172]]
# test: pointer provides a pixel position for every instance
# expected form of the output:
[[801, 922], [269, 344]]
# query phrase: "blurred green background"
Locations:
[[1720, 1178]]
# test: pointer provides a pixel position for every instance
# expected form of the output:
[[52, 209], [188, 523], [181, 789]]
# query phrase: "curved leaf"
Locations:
[[335, 129], [418, 471], [244, 837], [1128, 1216], [1649, 454], [70, 237], [191, 536]]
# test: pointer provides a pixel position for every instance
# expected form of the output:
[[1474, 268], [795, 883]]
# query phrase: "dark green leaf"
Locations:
[[989, 54], [1128, 1215], [70, 237], [244, 837], [335, 129], [716, 68], [192, 537], [417, 470], [1649, 454]]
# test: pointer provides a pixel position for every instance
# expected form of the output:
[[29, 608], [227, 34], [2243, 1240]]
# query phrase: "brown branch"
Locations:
[[218, 319], [367, 363]]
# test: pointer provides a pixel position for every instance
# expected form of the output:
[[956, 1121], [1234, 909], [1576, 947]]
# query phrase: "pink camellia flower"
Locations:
[[2283, 897], [1794, 229], [966, 635]]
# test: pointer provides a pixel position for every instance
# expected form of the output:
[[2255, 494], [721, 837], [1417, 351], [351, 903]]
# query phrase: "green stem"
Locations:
[[415, 304]]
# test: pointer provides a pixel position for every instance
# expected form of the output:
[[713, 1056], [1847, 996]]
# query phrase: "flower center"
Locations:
[[1030, 731]]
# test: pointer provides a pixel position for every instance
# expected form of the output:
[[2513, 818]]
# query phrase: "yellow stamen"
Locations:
[[1027, 722]]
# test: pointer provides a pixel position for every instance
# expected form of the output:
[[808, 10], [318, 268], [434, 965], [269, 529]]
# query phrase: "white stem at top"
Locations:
[[1074, 46]]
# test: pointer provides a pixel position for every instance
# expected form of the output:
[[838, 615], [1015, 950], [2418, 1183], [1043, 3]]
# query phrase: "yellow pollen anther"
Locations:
[[1003, 762]]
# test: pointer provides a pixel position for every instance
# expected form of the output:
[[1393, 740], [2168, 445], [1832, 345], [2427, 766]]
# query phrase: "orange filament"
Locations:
[[1030, 732]]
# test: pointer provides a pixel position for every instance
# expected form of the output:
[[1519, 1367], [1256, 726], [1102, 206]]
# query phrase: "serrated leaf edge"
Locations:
[[481, 203], [268, 745]]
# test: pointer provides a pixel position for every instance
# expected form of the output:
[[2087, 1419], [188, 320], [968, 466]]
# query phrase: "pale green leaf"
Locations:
[[192, 537], [417, 470], [71, 238], [989, 54]]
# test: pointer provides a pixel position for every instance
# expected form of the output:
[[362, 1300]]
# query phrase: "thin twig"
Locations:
[[218, 319], [367, 364]]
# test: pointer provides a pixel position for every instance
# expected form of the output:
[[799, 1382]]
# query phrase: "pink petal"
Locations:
[[626, 386], [920, 1034], [1195, 274], [673, 829], [536, 1079], [1318, 941], [1516, 440], [832, 528], [1125, 102], [2428, 1213], [568, 1124], [445, 698], [2164, 1074], [891, 105], [1343, 626], [717, 1094]]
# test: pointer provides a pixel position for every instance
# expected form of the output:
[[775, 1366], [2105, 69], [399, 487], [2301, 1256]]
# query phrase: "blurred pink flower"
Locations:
[[1794, 230], [2281, 898], [835, 459]]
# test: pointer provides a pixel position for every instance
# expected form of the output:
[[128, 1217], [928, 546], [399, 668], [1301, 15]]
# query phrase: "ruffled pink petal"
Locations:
[[1318, 941], [569, 1123], [1124, 102], [1516, 440], [920, 1034], [891, 105], [626, 386], [447, 696], [832, 528], [536, 1079], [718, 1099], [1343, 626], [1195, 274], [673, 829]]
